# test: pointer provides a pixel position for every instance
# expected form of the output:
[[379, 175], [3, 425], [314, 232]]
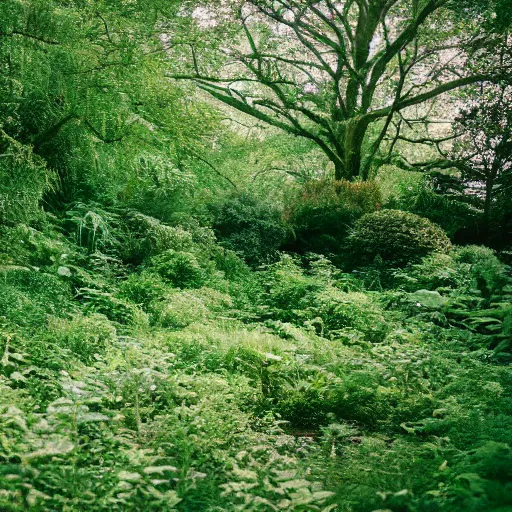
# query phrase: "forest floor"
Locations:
[[193, 383]]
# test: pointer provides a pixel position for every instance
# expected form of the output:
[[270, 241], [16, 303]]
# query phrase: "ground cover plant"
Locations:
[[201, 313]]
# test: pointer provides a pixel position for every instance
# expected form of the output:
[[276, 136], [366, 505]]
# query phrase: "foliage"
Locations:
[[28, 297], [457, 217], [147, 236], [484, 148], [23, 181], [332, 85], [93, 227], [142, 289], [395, 236], [86, 337], [324, 211], [181, 269], [144, 365], [465, 269], [251, 228], [96, 300], [341, 311]]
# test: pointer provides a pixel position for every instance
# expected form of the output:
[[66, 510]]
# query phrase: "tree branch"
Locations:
[[22, 33]]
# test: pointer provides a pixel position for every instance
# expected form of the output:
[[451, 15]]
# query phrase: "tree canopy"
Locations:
[[83, 88], [329, 70]]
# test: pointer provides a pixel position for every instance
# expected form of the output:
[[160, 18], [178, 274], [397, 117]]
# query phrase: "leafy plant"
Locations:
[[251, 228], [395, 236], [324, 211], [181, 269]]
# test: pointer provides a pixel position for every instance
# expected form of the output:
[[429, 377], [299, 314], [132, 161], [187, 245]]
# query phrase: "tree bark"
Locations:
[[339, 170]]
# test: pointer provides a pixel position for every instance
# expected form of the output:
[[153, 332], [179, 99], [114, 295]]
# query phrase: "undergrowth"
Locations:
[[147, 368]]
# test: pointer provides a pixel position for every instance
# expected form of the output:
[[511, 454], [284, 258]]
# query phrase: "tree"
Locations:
[[484, 151], [330, 70], [83, 95]]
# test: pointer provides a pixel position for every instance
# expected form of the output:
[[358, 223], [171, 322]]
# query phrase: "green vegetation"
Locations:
[[396, 236], [198, 314]]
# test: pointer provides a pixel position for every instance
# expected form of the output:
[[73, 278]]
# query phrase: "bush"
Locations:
[[143, 289], [395, 236], [147, 236], [23, 181], [180, 310], [28, 297], [339, 311], [464, 270], [84, 336], [324, 211], [418, 195], [181, 269], [287, 288], [94, 227], [485, 266], [251, 228], [24, 245], [435, 272], [114, 308]]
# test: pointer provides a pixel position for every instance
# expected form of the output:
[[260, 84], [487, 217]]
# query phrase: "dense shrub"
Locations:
[[94, 227], [395, 236], [23, 180], [485, 266], [114, 308], [464, 270], [28, 297], [180, 309], [339, 311], [147, 236], [287, 288], [423, 197], [24, 245], [324, 211], [434, 272], [250, 227], [142, 289], [181, 269]]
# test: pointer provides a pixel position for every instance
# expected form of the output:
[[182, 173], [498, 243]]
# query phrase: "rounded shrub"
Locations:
[[250, 227], [395, 236]]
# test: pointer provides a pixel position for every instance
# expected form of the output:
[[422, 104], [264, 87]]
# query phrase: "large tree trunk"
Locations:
[[348, 167], [339, 170]]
